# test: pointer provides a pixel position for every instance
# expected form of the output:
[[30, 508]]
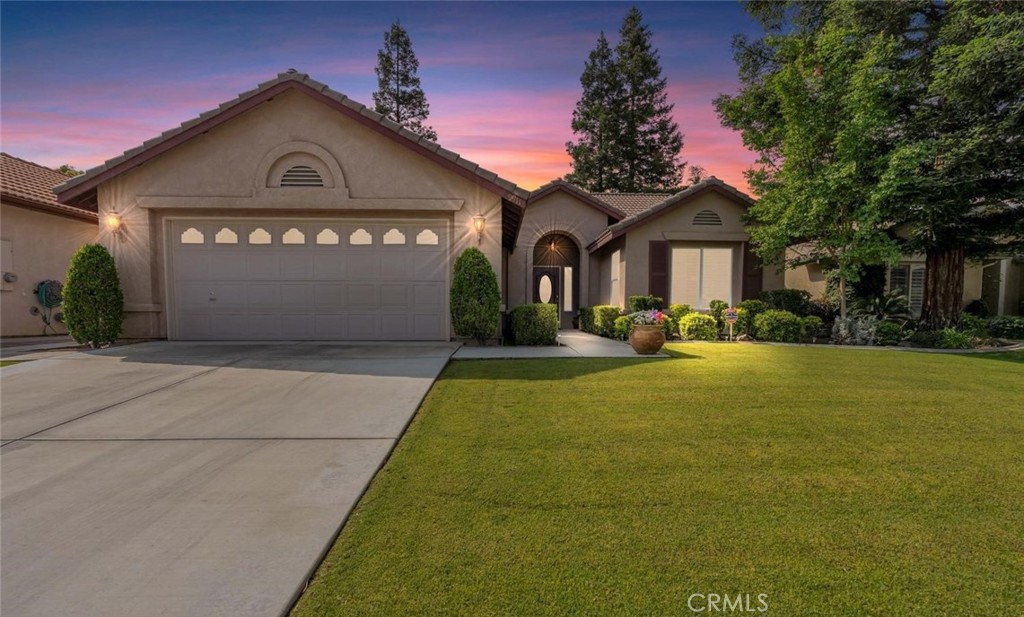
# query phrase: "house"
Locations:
[[38, 237], [293, 212]]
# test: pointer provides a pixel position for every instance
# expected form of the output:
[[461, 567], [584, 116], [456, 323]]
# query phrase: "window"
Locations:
[[707, 218], [909, 279], [259, 236], [567, 291], [225, 236], [613, 295], [394, 237], [192, 236], [293, 236], [360, 237], [301, 175], [700, 275], [426, 237], [328, 236]]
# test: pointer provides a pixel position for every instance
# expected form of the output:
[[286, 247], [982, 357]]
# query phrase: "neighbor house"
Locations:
[[38, 236], [293, 212]]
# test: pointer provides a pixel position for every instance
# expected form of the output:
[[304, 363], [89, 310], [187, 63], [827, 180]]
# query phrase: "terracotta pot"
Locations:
[[646, 339]]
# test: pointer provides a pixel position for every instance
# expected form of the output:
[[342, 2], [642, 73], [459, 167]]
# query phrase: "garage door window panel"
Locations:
[[260, 237]]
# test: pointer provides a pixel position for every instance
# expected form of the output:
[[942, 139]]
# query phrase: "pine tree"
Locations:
[[649, 145], [399, 95], [596, 120]]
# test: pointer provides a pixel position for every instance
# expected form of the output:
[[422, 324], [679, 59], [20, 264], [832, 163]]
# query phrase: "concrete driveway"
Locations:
[[191, 478]]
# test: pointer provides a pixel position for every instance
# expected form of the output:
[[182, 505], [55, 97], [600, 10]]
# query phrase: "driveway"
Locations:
[[191, 478]]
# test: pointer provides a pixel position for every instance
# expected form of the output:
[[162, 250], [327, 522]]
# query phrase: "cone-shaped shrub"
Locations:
[[475, 299], [93, 303]]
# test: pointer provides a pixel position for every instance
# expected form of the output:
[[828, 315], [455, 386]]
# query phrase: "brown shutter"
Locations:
[[657, 268], [753, 273]]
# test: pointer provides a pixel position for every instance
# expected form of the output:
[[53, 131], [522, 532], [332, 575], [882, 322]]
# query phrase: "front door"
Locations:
[[546, 285]]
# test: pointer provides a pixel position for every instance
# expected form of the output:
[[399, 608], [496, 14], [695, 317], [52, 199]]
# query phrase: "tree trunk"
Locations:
[[943, 288], [842, 296]]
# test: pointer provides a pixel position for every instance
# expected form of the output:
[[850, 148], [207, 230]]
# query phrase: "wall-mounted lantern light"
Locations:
[[478, 225], [114, 223]]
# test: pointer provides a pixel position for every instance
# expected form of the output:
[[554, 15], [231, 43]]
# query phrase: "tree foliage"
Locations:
[[475, 298], [93, 302], [399, 95], [627, 139], [69, 170]]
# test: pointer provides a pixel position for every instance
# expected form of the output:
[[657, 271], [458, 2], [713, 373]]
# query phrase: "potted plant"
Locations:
[[647, 335]]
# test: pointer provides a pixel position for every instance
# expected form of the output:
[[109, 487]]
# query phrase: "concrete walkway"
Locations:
[[572, 344], [191, 478], [21, 345]]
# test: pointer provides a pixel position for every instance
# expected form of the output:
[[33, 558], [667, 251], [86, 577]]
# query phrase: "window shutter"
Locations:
[[657, 269], [753, 273], [916, 295]]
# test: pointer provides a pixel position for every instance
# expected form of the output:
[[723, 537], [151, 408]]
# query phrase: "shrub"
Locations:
[[717, 310], [93, 302], [645, 303], [1006, 326], [889, 333], [973, 325], [796, 301], [977, 308], [677, 311], [748, 310], [623, 324], [778, 326], [824, 308], [887, 306], [855, 331], [812, 325], [604, 319], [587, 319], [535, 324], [951, 338], [670, 326], [475, 300], [698, 327]]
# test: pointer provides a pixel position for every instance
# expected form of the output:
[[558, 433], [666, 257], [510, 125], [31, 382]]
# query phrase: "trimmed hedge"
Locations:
[[677, 311], [587, 319], [622, 327], [778, 326], [535, 324], [748, 310], [812, 325], [604, 319], [93, 301], [645, 303], [670, 326], [698, 327], [475, 299]]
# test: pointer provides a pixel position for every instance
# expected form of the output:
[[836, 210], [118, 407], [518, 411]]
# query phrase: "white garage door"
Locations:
[[309, 280]]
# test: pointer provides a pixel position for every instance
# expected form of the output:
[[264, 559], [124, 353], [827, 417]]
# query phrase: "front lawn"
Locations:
[[835, 481]]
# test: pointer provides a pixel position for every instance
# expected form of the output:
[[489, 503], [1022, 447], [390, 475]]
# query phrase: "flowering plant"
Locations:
[[647, 318]]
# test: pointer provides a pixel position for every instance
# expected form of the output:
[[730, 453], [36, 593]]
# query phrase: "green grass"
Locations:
[[4, 363], [836, 481]]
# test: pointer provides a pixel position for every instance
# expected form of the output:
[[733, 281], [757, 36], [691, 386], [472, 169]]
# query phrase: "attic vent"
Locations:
[[707, 218], [301, 175]]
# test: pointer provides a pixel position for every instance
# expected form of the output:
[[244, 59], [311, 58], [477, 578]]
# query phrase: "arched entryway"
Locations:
[[556, 275]]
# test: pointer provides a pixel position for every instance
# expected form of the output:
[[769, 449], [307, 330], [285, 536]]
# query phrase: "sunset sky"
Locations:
[[82, 82]]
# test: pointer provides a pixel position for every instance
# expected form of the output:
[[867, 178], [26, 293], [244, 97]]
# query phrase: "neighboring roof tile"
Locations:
[[304, 79], [632, 203], [32, 184]]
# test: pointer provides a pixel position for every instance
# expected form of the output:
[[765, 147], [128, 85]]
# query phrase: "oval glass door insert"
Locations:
[[544, 289]]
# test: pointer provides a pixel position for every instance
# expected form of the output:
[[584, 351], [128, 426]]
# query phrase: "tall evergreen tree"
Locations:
[[597, 121], [399, 95], [650, 143], [627, 139]]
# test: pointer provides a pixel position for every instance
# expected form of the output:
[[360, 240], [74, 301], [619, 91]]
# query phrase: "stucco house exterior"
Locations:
[[294, 212], [38, 237]]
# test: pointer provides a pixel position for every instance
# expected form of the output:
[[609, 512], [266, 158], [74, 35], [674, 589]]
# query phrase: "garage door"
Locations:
[[311, 280]]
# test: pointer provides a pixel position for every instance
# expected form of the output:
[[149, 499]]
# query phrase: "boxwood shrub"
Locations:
[[888, 333], [587, 319], [670, 326], [748, 310], [623, 325], [604, 319], [645, 303], [698, 327], [812, 327], [475, 299], [93, 301], [535, 324], [778, 326], [677, 311], [796, 301]]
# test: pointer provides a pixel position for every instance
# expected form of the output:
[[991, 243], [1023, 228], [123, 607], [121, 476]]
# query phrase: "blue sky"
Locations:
[[81, 82]]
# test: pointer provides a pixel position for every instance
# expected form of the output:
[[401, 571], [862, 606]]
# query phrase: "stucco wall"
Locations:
[[41, 248], [226, 172], [680, 221], [557, 212]]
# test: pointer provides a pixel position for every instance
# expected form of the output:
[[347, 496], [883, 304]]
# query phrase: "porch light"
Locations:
[[114, 223], [478, 225]]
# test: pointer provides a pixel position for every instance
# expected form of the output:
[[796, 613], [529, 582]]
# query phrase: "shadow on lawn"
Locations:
[[548, 369], [1014, 357]]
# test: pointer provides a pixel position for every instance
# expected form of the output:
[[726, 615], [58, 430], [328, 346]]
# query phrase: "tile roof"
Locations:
[[31, 184], [292, 77], [632, 203]]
